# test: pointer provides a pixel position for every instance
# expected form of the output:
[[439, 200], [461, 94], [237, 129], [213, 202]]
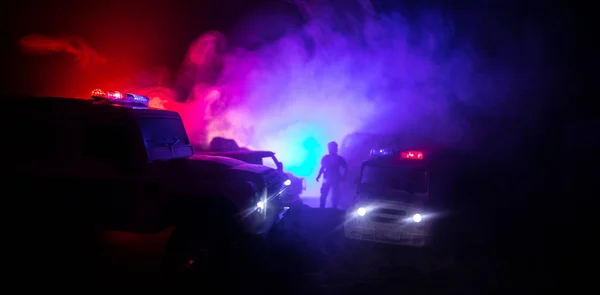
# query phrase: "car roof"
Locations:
[[390, 162], [66, 106], [432, 157], [240, 153]]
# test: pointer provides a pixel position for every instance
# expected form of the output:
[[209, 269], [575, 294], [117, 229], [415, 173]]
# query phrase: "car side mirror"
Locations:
[[279, 166]]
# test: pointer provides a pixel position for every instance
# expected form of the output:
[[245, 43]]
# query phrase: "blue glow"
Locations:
[[120, 98], [300, 147], [344, 67], [136, 98], [381, 152]]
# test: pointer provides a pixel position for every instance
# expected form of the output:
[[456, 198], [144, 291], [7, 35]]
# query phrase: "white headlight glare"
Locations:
[[417, 218], [361, 211], [260, 205], [287, 182]]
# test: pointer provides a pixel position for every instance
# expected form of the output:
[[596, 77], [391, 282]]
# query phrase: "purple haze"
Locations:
[[343, 69]]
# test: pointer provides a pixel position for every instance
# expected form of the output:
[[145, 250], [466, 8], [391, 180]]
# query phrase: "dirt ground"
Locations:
[[308, 253]]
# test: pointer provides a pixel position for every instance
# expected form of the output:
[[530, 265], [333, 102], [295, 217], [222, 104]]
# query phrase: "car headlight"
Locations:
[[260, 205], [287, 182], [361, 211], [417, 218]]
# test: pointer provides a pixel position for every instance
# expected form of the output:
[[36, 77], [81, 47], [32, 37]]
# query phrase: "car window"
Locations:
[[395, 178], [160, 132], [269, 162], [112, 143]]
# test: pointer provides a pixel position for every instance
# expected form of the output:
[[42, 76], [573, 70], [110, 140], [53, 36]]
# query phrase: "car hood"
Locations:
[[258, 169], [292, 176], [392, 204]]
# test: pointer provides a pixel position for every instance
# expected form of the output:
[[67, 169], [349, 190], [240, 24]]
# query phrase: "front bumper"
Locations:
[[383, 233], [261, 220], [293, 192]]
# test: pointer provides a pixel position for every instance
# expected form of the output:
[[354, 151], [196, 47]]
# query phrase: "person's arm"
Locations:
[[345, 167], [321, 170]]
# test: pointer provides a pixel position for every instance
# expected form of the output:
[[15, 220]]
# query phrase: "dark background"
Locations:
[[539, 218], [162, 31]]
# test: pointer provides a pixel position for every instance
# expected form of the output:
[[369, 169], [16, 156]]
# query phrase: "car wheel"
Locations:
[[190, 250]]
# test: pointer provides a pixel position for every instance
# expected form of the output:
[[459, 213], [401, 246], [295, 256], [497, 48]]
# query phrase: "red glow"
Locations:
[[98, 92], [40, 44], [415, 155], [202, 111], [107, 94], [157, 103]]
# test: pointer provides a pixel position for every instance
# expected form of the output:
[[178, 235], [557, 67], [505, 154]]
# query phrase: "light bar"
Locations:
[[413, 155], [381, 152], [120, 97]]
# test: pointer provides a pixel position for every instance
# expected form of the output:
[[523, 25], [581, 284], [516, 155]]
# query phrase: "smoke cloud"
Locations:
[[40, 44], [291, 83], [344, 69]]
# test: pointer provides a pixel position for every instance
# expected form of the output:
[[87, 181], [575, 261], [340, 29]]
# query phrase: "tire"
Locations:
[[187, 250], [201, 242]]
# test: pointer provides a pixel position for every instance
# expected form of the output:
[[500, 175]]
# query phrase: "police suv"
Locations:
[[296, 184], [113, 163], [391, 197]]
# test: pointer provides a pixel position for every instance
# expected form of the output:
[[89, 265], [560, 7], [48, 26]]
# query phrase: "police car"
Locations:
[[113, 163], [391, 197], [297, 185]]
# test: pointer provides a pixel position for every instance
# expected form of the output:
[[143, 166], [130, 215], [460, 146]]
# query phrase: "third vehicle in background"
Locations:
[[296, 185], [391, 197]]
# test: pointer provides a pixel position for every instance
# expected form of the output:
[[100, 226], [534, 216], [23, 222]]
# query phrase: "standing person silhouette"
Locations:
[[331, 164]]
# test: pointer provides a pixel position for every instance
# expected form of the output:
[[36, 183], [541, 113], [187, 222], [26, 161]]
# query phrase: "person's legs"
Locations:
[[324, 192], [335, 195]]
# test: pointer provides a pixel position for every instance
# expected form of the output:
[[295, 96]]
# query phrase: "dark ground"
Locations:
[[494, 238], [308, 254]]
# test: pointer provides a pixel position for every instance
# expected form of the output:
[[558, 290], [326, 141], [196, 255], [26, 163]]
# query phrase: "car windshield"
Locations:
[[394, 183], [161, 132]]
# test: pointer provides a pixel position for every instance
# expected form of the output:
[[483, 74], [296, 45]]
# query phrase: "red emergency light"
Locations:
[[412, 155], [120, 97]]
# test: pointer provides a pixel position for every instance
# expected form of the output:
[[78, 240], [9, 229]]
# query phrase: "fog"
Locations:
[[291, 80]]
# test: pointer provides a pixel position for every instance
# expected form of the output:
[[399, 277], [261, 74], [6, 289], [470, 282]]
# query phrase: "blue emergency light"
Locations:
[[120, 97], [381, 152], [403, 155]]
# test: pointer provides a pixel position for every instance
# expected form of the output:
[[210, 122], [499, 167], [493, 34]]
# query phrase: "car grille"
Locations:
[[390, 212], [386, 219], [274, 182]]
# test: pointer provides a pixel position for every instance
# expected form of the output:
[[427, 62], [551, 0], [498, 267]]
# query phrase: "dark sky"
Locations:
[[142, 33], [132, 33], [159, 24]]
